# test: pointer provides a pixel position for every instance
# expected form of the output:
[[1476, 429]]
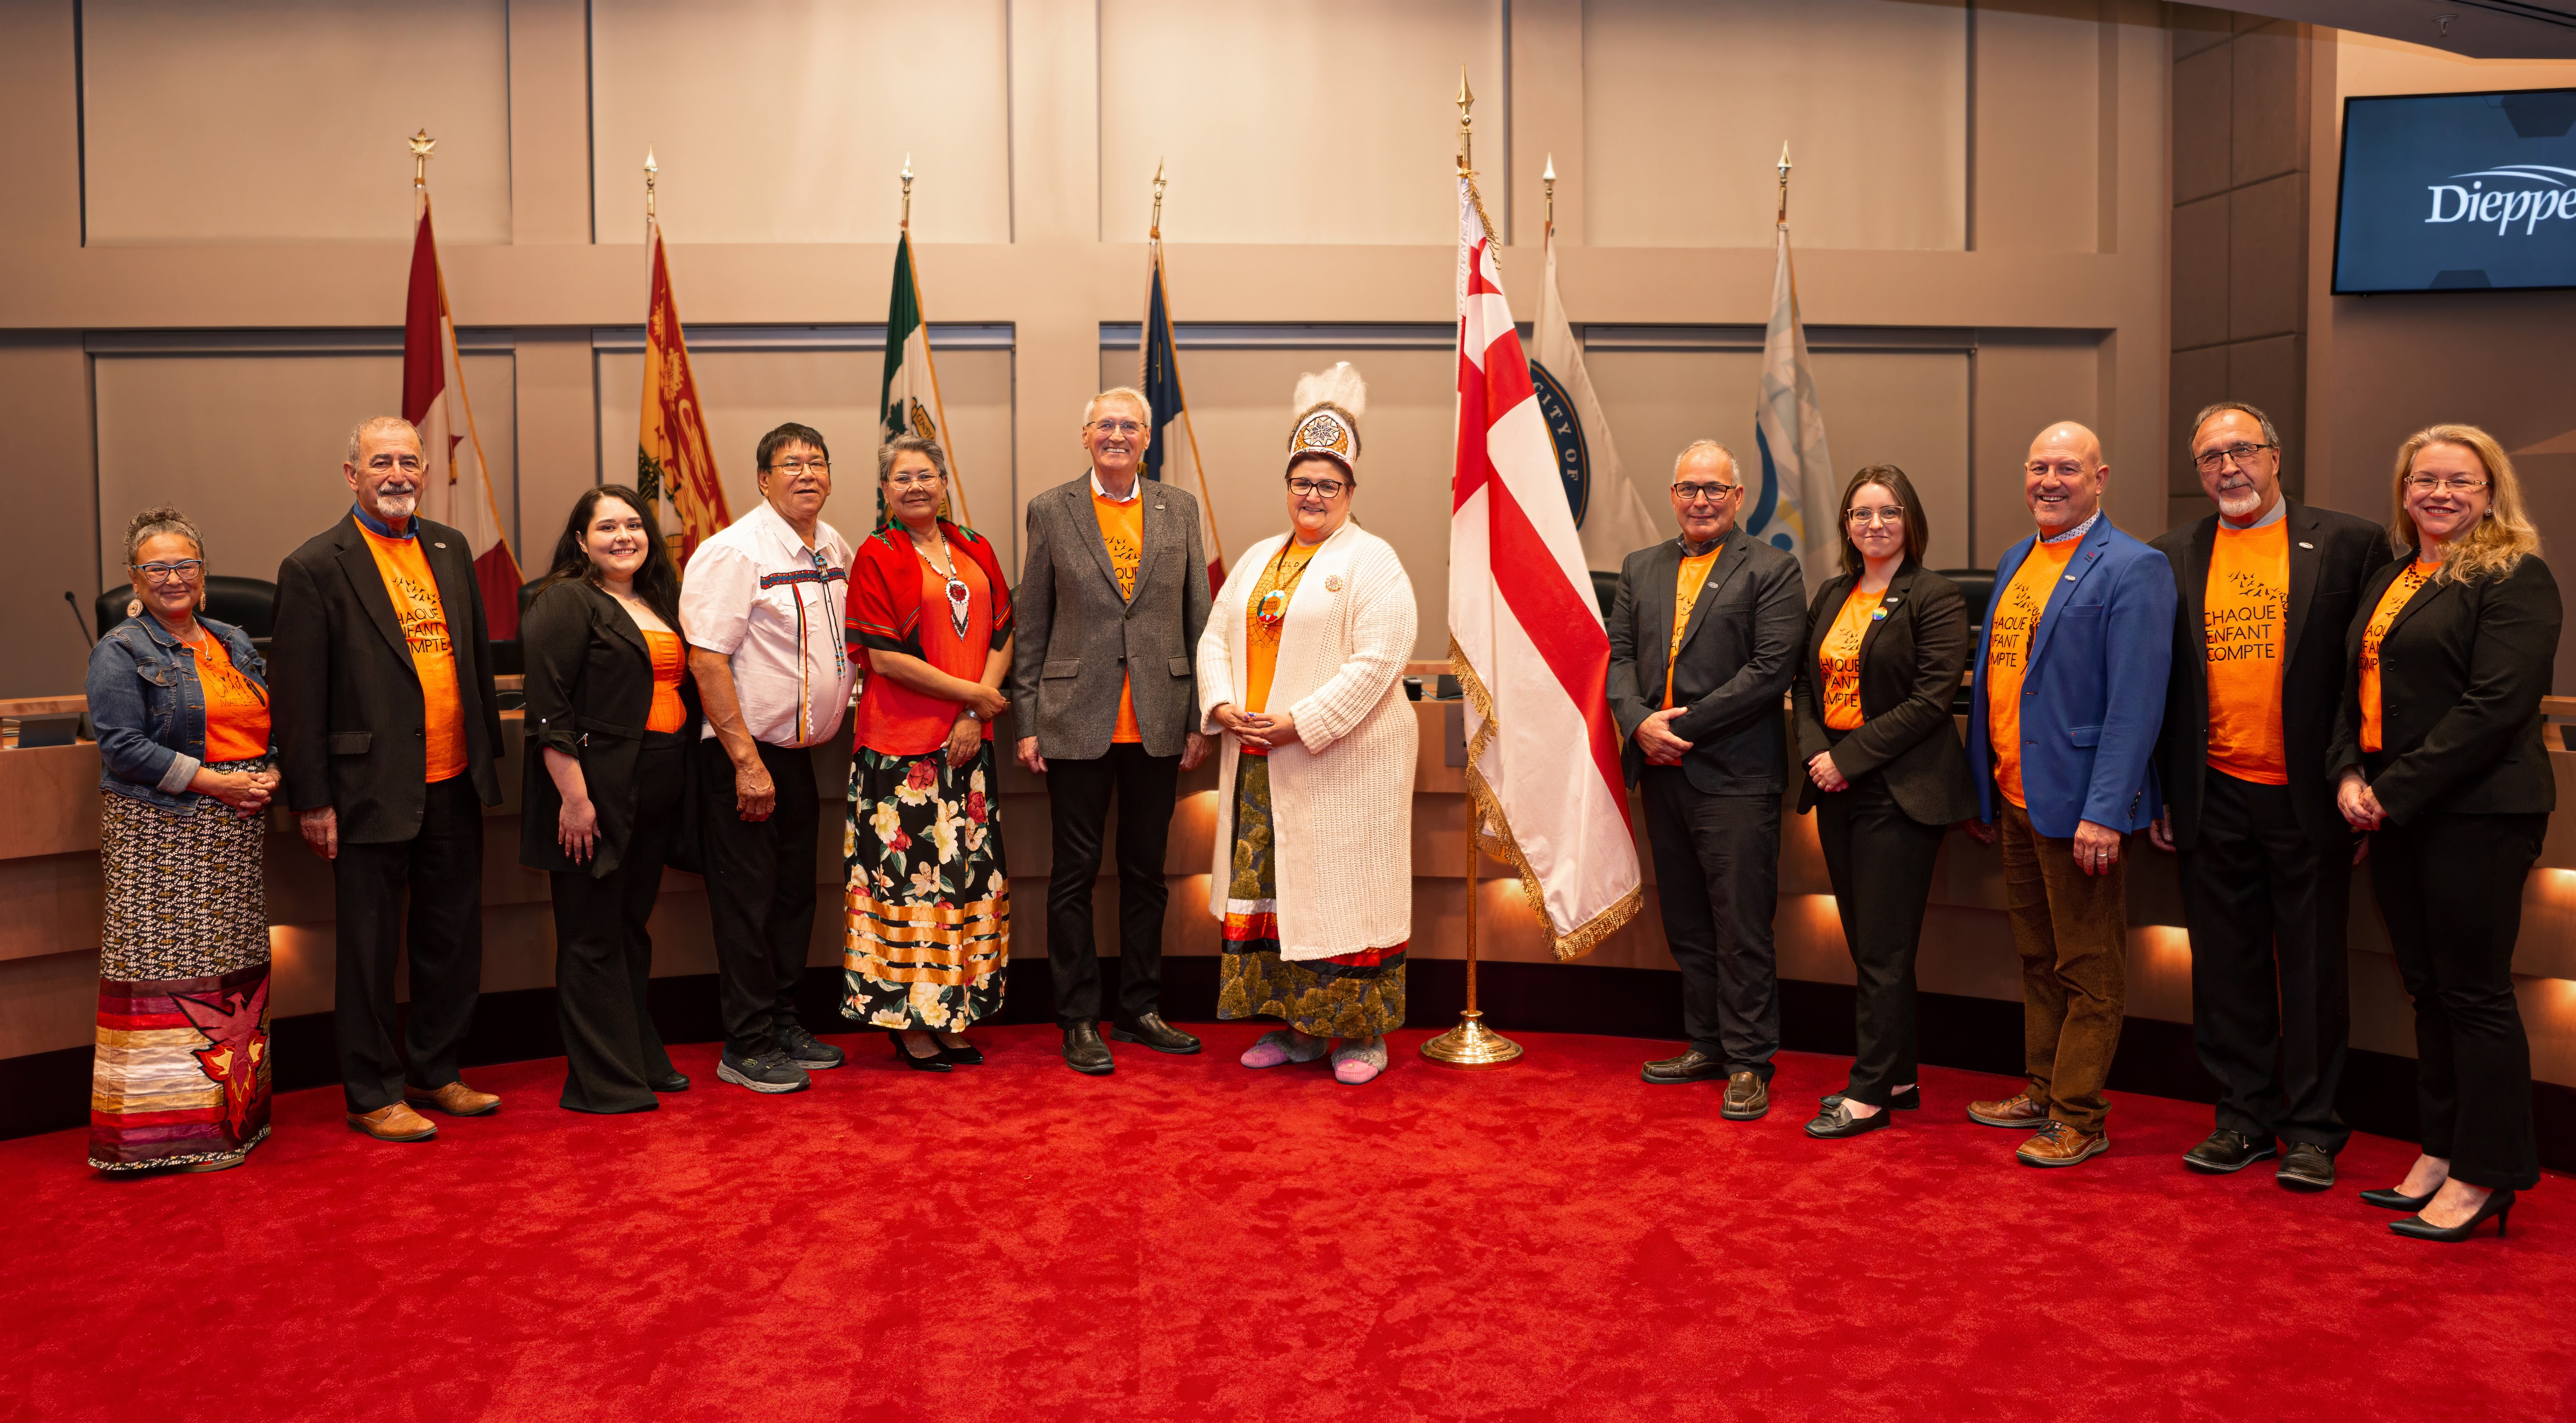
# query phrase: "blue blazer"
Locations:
[[2093, 698]]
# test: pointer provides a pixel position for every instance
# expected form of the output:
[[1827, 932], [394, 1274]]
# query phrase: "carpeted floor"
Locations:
[[1188, 1240]]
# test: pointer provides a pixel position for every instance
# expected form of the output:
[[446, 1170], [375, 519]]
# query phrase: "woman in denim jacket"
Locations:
[[181, 707]]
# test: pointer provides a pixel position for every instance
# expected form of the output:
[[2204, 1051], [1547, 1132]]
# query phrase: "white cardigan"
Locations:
[[1342, 799]]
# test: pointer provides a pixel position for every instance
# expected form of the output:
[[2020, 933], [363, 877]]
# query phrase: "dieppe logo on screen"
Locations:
[[2530, 206]]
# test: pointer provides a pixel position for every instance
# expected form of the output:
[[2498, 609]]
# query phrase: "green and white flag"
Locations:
[[909, 402]]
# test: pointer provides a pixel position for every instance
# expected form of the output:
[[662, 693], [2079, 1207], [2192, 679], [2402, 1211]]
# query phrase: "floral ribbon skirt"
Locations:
[[1356, 995], [927, 909]]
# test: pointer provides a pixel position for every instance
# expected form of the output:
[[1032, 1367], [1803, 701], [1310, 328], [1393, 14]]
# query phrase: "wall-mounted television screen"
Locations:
[[2457, 192]]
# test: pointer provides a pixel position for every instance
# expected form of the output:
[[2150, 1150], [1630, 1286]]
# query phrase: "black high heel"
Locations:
[[1909, 1100], [2394, 1200], [936, 1062], [964, 1054], [2499, 1204]]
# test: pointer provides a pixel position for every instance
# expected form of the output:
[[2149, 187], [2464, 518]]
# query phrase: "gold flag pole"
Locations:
[[1471, 1044], [906, 224], [1784, 182], [1549, 178]]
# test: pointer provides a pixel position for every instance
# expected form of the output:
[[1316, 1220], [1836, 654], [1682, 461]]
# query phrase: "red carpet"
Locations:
[[1188, 1240]]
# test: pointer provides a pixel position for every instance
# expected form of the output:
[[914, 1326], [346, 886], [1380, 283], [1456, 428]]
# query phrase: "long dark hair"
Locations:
[[657, 582]]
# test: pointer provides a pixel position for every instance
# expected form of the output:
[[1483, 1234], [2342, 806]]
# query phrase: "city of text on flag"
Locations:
[[1614, 522], [1175, 445], [672, 453], [457, 487], [1525, 634]]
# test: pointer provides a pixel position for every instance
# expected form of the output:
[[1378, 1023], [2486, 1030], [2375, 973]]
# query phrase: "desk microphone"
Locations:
[[78, 621]]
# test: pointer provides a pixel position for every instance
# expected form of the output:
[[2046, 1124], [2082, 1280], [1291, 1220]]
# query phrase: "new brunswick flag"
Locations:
[[672, 454]]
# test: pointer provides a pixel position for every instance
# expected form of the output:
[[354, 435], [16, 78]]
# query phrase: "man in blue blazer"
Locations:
[[2070, 693]]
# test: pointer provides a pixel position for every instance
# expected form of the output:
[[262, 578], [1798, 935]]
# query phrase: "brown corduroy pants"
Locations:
[[2072, 931]]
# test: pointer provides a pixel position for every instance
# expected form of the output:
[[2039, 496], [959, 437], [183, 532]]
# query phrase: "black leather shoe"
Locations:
[[1836, 1122], [936, 1062], [2399, 1200], [964, 1054], [677, 1082], [2226, 1151], [1691, 1066], [2307, 1166], [2499, 1204], [1909, 1100], [1084, 1052], [1150, 1030]]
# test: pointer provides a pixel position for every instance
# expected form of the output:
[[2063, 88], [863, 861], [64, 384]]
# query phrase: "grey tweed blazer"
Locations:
[[1077, 638]]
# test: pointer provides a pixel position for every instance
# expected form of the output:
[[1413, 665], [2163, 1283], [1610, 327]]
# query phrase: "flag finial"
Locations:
[[1466, 124], [907, 192], [1784, 181], [1156, 233], [421, 144], [651, 169], [1548, 176]]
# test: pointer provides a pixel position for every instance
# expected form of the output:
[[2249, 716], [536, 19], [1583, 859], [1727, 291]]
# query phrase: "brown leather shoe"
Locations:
[[2017, 1110], [393, 1122], [2057, 1144], [1747, 1097], [455, 1099]]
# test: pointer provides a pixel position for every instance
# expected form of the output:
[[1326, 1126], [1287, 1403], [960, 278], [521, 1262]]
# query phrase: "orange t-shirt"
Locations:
[[1694, 577], [1261, 635], [2391, 603], [670, 664], [236, 712], [2014, 633], [414, 590], [1122, 527], [895, 720], [1838, 659], [2243, 618]]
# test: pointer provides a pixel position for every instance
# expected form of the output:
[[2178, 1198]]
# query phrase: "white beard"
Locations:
[[2239, 503], [397, 506]]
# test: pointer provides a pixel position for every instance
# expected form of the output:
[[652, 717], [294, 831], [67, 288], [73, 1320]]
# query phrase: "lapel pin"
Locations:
[[438, 545], [2303, 543], [1332, 582], [1878, 614]]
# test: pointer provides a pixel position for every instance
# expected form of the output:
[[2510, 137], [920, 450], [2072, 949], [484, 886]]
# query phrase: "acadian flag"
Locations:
[[1160, 379], [1789, 430], [458, 488], [672, 453], [1611, 520], [908, 404], [1525, 634]]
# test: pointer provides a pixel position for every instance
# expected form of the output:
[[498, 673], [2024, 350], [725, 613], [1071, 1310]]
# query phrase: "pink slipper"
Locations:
[[1353, 1066], [1280, 1048]]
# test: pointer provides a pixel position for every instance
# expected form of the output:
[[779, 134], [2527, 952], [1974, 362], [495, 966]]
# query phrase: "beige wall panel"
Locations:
[[47, 543], [558, 446], [284, 120], [1324, 121], [788, 120], [40, 164], [2025, 381], [749, 393], [1686, 103], [1239, 404], [2038, 126], [1906, 408], [251, 446]]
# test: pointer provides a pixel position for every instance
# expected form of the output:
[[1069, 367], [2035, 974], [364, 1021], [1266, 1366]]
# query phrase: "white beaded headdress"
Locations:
[[1329, 405]]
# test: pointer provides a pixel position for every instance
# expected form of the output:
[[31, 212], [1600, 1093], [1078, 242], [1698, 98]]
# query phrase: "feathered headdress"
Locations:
[[1329, 405]]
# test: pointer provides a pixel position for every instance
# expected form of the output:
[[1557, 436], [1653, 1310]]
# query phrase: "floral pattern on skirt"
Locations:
[[927, 908], [1354, 995]]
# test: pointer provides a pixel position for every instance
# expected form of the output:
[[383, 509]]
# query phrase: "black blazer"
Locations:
[[590, 689], [1732, 668], [2332, 557], [2461, 674], [1910, 663], [345, 700]]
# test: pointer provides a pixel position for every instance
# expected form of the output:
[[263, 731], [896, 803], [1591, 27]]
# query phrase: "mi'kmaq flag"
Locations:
[[673, 457], [1175, 446], [1525, 634], [1794, 507], [457, 486]]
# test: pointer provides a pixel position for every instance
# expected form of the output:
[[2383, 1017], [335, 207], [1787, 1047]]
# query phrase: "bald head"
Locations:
[[2063, 476]]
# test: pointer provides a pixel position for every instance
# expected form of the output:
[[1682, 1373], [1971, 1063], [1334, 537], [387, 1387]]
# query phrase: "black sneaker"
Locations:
[[769, 1072], [2306, 1166], [2226, 1152], [807, 1051]]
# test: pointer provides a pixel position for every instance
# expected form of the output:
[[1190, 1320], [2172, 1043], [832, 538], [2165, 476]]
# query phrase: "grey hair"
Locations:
[[158, 520], [910, 444], [2217, 408], [377, 424], [1124, 392], [1707, 447]]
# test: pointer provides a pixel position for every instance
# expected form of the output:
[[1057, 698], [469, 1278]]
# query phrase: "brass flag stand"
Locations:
[[1471, 1044]]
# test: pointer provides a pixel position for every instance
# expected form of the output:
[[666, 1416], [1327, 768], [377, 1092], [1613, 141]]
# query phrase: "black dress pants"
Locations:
[[1880, 862], [2450, 887], [604, 951], [1078, 798], [441, 869], [2271, 1005], [760, 892], [1717, 872]]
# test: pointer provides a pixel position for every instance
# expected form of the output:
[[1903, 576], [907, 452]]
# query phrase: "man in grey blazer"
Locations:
[[1702, 633], [1113, 595]]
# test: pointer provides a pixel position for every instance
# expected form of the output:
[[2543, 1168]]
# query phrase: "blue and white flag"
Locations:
[[1174, 445], [1794, 502]]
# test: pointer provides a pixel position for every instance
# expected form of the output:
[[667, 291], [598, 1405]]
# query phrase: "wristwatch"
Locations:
[[971, 716]]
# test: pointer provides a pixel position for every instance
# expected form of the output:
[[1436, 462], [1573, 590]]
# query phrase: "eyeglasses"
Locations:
[[181, 572], [1116, 427], [1325, 488], [918, 479], [2427, 484], [1713, 493], [2211, 461], [387, 464], [793, 468], [1892, 514]]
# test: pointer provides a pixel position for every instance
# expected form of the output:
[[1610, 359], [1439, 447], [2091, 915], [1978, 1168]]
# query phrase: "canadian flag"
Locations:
[[1525, 634], [457, 490]]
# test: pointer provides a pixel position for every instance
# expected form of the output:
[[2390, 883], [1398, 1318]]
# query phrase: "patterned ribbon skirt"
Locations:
[[1355, 995], [182, 1073], [927, 909]]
